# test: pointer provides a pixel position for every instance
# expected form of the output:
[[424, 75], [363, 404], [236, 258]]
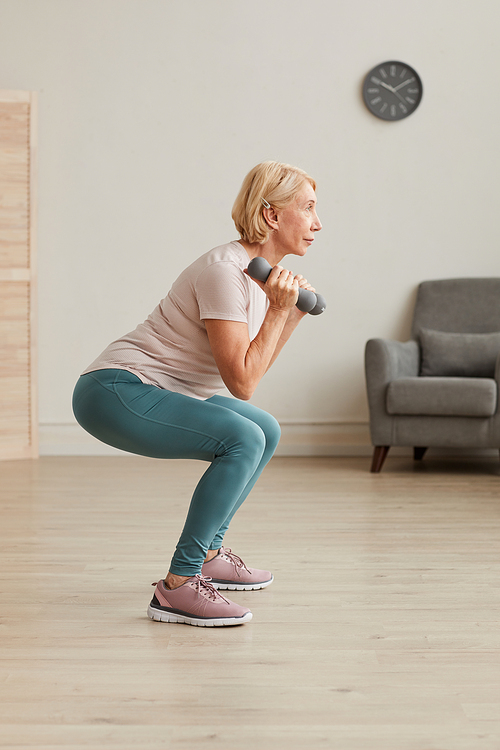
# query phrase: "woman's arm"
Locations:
[[242, 362], [293, 320]]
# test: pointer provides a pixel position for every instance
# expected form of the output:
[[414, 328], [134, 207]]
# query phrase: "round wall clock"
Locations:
[[392, 90]]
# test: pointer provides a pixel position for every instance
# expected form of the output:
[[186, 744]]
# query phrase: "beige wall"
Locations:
[[151, 113]]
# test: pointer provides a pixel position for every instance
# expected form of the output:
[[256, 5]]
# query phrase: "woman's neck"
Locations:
[[265, 250]]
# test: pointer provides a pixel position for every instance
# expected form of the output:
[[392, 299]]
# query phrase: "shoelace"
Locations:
[[237, 561], [204, 581]]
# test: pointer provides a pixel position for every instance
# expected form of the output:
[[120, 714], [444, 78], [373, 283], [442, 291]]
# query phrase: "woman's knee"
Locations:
[[267, 423], [272, 431], [245, 439]]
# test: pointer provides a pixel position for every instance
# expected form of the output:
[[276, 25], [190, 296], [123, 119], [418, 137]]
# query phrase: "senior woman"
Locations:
[[153, 392]]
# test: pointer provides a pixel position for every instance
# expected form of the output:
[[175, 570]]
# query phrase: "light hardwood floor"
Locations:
[[381, 630]]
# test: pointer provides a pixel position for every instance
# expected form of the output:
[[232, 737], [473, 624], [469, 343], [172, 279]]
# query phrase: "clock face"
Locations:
[[392, 90]]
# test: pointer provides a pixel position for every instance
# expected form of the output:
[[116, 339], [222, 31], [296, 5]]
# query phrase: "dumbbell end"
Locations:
[[307, 300], [259, 268], [320, 305]]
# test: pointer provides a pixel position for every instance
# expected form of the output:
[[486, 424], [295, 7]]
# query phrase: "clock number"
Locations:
[[403, 73], [403, 108], [383, 107], [376, 100], [393, 110], [393, 71], [383, 73], [409, 100], [373, 91]]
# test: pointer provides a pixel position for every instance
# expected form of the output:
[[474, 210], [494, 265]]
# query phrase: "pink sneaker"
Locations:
[[228, 571], [196, 602]]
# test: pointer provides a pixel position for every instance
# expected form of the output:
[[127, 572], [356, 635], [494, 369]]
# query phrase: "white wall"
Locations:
[[152, 112]]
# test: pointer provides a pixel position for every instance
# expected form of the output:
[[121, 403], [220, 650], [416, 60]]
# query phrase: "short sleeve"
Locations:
[[222, 293]]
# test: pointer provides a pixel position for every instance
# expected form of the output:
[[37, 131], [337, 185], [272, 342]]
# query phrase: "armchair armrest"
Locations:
[[497, 378], [386, 360]]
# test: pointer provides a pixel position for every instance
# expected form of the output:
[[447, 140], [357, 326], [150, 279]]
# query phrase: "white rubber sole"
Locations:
[[241, 586], [160, 616]]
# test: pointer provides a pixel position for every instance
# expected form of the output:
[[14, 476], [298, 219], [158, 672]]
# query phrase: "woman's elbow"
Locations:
[[242, 390], [241, 393]]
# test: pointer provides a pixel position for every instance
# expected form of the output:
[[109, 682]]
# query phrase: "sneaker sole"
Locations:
[[228, 586], [161, 616]]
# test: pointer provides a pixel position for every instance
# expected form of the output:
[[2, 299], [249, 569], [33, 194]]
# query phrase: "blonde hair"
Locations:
[[270, 182]]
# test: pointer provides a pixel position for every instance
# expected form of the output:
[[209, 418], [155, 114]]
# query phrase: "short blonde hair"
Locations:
[[273, 182]]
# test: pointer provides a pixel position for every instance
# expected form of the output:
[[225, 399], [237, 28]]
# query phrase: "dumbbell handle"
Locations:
[[308, 301]]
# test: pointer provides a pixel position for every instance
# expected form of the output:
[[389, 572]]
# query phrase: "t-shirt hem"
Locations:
[[223, 316]]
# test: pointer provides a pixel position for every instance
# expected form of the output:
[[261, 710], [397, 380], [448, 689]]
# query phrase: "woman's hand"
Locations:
[[281, 288], [302, 284]]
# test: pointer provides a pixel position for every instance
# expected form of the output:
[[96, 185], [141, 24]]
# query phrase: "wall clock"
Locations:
[[392, 90]]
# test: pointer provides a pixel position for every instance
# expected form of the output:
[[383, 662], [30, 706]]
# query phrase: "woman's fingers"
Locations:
[[282, 288], [304, 284]]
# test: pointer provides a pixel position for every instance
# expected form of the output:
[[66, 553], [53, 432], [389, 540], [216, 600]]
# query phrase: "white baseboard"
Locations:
[[297, 439], [325, 439]]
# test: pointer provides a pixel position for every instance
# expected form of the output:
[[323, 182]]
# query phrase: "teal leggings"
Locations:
[[235, 437]]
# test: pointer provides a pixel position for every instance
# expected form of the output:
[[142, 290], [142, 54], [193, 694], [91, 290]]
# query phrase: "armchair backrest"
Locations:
[[458, 306]]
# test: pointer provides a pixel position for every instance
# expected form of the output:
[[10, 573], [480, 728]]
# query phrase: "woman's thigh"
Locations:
[[120, 410]]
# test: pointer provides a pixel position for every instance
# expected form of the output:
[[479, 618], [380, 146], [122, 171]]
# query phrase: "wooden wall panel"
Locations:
[[18, 362], [14, 184]]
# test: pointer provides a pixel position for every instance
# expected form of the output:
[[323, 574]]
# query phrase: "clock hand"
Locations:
[[392, 89], [386, 86], [405, 83], [399, 95]]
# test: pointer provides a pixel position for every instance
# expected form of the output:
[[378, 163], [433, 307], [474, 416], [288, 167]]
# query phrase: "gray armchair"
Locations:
[[440, 388]]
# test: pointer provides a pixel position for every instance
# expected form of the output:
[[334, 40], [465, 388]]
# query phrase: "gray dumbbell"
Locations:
[[309, 302]]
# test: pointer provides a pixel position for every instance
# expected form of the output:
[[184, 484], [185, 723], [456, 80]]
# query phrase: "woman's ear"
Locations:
[[271, 217]]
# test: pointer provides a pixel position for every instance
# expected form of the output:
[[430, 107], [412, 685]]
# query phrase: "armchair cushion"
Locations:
[[438, 396], [461, 355]]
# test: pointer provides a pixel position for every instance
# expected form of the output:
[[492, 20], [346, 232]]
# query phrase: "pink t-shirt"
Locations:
[[171, 348]]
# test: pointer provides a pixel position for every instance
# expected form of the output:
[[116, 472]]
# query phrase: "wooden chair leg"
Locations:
[[379, 455], [419, 453]]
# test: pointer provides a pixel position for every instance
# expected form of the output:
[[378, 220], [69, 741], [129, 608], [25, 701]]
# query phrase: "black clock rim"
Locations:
[[365, 84]]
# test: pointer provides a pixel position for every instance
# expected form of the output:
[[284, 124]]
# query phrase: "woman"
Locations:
[[152, 392]]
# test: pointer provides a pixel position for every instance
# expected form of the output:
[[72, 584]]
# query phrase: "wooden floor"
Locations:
[[381, 630]]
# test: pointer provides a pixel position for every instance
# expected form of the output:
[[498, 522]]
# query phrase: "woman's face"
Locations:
[[298, 222]]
